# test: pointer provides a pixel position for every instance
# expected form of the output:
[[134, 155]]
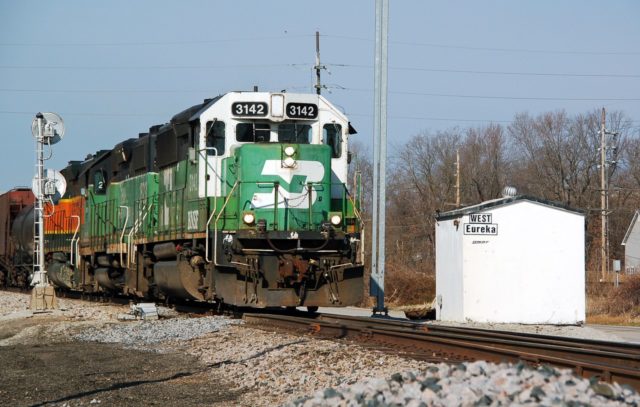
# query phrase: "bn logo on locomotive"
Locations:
[[480, 224]]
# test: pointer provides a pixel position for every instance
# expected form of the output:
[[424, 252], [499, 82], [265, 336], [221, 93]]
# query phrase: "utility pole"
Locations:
[[605, 162], [318, 67], [379, 157], [457, 178], [603, 199]]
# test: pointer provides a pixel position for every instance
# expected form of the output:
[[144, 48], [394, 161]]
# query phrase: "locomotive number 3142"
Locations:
[[302, 110], [249, 109]]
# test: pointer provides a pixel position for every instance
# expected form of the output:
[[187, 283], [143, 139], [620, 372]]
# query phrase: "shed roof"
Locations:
[[633, 222], [502, 202]]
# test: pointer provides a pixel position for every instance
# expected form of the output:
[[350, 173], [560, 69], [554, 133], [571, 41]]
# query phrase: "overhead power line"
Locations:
[[148, 67], [91, 114], [296, 36], [105, 90], [492, 49], [138, 43], [480, 72], [444, 119], [210, 92], [307, 65], [452, 95], [335, 87]]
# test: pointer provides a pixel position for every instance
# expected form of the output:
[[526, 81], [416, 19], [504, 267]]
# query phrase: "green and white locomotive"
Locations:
[[243, 199]]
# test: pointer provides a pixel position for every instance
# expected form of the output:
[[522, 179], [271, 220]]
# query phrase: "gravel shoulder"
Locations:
[[83, 355]]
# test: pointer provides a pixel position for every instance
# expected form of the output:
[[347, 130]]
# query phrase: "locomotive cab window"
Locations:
[[99, 183], [294, 133], [215, 137], [253, 132], [332, 136]]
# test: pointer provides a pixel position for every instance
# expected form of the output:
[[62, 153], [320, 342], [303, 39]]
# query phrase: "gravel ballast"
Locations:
[[143, 333], [475, 384], [262, 368]]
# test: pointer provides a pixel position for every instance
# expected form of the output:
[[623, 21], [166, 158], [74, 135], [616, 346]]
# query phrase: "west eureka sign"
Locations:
[[480, 224]]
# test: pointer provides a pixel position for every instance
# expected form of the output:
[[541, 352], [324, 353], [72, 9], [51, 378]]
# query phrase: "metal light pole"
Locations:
[[379, 157]]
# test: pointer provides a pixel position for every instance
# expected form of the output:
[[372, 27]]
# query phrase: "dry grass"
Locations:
[[406, 286], [607, 304]]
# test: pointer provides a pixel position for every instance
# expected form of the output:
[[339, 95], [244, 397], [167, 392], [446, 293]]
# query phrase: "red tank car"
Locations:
[[14, 265]]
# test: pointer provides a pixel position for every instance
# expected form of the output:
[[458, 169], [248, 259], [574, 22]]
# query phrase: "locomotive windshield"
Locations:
[[256, 132], [294, 133], [253, 132]]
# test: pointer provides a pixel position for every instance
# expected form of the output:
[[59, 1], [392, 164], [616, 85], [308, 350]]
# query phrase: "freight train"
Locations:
[[244, 199]]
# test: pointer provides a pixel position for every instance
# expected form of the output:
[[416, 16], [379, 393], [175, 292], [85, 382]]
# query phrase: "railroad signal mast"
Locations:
[[47, 128]]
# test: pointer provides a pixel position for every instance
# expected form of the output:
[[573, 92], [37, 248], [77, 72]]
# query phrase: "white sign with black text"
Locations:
[[480, 224]]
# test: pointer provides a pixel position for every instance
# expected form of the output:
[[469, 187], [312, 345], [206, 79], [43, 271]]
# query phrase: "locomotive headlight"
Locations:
[[335, 219], [289, 162], [289, 151], [249, 218]]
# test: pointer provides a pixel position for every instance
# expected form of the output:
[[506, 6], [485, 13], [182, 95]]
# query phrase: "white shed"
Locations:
[[631, 243], [511, 260]]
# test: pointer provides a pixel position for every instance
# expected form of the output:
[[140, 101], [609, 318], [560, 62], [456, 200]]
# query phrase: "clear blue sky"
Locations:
[[113, 68]]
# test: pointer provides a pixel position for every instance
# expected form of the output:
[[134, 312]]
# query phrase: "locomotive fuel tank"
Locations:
[[61, 275], [109, 279], [179, 279], [175, 275]]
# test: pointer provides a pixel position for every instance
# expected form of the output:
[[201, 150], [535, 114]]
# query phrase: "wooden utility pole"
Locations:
[[604, 192], [457, 178]]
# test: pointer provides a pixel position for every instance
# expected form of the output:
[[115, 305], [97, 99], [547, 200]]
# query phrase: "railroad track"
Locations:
[[608, 361]]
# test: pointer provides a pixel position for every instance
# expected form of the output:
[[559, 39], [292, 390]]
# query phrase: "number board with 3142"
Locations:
[[302, 110]]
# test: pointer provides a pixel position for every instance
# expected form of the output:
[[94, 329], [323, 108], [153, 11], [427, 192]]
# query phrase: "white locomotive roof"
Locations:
[[296, 96]]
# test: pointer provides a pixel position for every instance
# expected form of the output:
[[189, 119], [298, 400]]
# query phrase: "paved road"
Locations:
[[627, 333]]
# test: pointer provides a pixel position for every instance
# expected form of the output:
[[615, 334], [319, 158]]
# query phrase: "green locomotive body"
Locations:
[[242, 199]]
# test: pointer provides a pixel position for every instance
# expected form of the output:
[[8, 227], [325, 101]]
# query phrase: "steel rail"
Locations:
[[623, 354], [452, 345], [585, 343]]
